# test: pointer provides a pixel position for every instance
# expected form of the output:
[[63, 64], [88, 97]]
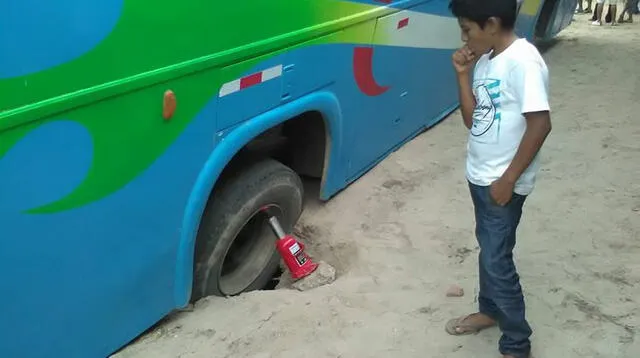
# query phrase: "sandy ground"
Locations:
[[404, 232]]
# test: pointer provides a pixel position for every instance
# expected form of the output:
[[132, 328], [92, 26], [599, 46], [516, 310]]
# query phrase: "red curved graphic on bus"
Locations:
[[363, 72]]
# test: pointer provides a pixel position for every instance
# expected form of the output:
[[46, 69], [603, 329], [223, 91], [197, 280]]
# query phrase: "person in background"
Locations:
[[631, 6], [580, 10], [613, 9], [503, 87], [594, 16]]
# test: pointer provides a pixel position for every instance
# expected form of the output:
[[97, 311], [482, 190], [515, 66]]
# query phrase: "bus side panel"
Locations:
[[86, 275], [409, 64], [94, 205], [92, 213], [63, 46]]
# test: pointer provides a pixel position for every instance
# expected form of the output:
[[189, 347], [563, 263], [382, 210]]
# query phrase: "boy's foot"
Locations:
[[469, 324], [596, 23]]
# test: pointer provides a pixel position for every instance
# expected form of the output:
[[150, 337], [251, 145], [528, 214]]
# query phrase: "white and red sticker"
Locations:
[[250, 80]]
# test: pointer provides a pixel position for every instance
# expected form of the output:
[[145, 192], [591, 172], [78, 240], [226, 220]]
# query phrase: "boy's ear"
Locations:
[[493, 25]]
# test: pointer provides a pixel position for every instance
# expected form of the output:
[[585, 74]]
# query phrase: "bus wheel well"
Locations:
[[301, 143], [255, 177]]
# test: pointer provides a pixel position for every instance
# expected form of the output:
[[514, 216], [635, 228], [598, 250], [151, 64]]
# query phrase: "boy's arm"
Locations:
[[531, 83], [467, 99], [538, 128], [464, 61]]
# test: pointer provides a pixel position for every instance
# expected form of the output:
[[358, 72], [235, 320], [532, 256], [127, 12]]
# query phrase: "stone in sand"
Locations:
[[455, 291], [323, 275]]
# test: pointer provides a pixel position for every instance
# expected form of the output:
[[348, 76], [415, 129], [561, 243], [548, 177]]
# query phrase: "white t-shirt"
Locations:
[[512, 83]]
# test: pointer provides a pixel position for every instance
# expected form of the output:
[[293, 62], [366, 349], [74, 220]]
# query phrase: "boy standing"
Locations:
[[505, 106]]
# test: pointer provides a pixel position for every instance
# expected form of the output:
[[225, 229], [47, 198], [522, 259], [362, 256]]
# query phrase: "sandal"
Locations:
[[458, 326]]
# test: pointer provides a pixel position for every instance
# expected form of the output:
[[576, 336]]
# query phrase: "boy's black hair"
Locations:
[[479, 11]]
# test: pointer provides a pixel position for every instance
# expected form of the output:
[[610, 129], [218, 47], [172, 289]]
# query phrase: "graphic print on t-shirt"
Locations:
[[486, 117]]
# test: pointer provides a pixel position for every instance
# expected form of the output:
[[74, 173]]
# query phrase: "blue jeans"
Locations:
[[500, 293]]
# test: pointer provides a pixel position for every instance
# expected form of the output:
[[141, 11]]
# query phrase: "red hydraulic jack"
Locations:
[[292, 251]]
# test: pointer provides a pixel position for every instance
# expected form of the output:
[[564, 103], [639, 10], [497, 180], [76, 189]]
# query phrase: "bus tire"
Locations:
[[235, 248], [543, 19]]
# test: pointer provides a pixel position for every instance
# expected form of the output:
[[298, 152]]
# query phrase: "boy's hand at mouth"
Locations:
[[463, 59]]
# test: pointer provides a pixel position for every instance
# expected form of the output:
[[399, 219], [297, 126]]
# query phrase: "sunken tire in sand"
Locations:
[[235, 248]]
